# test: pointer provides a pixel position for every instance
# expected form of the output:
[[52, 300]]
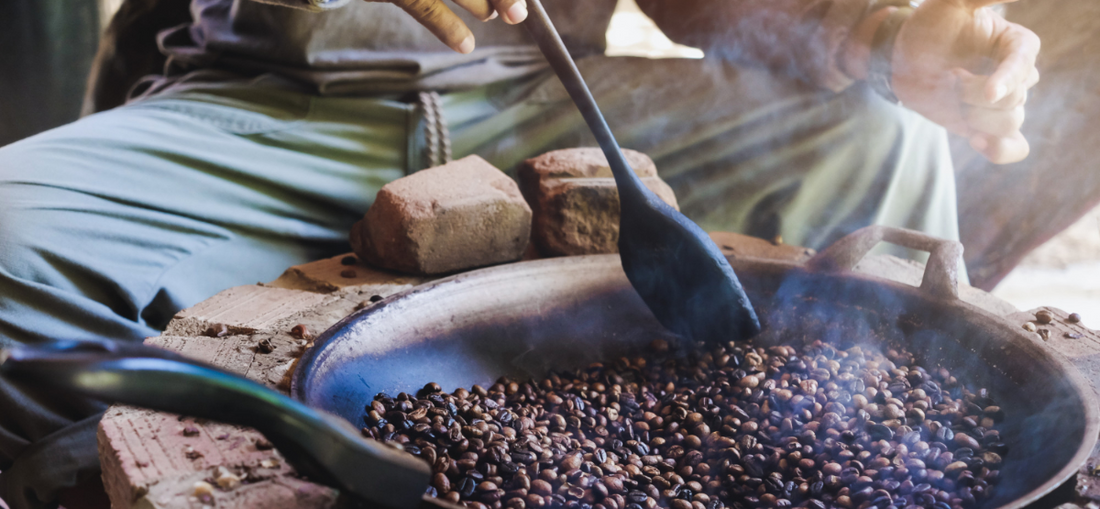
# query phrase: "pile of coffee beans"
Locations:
[[723, 426]]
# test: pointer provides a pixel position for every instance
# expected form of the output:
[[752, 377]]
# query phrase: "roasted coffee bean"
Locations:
[[524, 458], [995, 413], [467, 487], [715, 427], [964, 440], [300, 332], [571, 461], [881, 432], [541, 487], [1044, 317], [509, 469]]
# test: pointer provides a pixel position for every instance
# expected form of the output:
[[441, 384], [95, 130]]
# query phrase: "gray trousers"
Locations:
[[111, 224]]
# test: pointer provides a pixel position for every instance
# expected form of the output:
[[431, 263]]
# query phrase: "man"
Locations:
[[272, 129]]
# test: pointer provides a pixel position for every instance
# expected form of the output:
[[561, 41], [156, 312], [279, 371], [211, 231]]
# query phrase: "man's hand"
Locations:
[[965, 67], [449, 28]]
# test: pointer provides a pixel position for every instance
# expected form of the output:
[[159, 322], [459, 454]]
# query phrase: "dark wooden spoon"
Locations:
[[671, 262]]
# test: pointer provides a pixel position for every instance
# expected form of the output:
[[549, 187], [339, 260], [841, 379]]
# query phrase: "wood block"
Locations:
[[1081, 346], [736, 245], [243, 309], [232, 353], [330, 275], [147, 457], [275, 492], [155, 458], [145, 454]]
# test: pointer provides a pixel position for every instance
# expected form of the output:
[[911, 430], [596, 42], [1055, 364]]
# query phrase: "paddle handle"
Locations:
[[540, 27]]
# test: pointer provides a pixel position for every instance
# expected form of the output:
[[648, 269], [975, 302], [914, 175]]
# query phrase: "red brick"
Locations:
[[450, 218], [575, 202]]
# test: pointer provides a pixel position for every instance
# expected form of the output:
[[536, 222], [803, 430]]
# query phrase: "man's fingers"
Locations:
[[513, 11], [972, 91], [441, 21], [995, 122], [1032, 79], [1018, 49], [482, 9], [1001, 150]]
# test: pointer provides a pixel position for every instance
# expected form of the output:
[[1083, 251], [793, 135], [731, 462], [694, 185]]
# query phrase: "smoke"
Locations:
[[1045, 413]]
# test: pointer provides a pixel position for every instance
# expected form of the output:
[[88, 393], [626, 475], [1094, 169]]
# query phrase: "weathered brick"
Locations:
[[453, 217], [575, 202]]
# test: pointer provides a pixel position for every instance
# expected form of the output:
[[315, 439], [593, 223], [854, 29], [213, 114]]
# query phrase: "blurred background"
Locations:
[[1031, 230], [48, 50]]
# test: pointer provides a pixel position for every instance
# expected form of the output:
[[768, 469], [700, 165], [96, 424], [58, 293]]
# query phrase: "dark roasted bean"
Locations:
[[726, 426], [467, 487], [964, 440], [881, 432], [541, 487]]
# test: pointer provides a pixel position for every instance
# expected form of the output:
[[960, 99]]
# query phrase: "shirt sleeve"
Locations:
[[309, 5], [800, 38]]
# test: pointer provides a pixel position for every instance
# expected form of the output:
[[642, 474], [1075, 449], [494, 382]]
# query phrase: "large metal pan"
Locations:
[[526, 319]]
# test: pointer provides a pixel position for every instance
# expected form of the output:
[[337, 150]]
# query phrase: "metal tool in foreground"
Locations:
[[322, 447], [670, 261]]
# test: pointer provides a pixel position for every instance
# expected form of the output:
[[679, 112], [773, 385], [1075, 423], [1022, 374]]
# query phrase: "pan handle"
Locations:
[[941, 275], [319, 445]]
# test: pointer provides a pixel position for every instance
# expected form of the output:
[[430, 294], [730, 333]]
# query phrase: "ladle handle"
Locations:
[[540, 27], [941, 274], [320, 446]]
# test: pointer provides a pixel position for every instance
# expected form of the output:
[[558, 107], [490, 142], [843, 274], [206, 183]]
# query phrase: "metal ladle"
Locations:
[[323, 447], [670, 261]]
